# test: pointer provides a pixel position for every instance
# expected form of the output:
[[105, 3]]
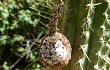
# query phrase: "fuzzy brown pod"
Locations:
[[55, 50]]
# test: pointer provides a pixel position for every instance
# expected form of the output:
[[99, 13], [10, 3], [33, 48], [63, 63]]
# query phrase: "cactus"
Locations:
[[85, 23], [87, 26]]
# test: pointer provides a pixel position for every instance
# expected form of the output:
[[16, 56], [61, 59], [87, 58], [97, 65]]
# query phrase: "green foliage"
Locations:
[[22, 22]]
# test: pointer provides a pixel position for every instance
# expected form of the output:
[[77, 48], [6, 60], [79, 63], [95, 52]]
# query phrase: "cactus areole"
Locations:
[[55, 49]]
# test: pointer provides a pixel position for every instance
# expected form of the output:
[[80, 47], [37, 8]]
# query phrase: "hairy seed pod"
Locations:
[[55, 49]]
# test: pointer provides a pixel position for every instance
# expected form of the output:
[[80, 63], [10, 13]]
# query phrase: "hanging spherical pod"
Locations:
[[55, 49]]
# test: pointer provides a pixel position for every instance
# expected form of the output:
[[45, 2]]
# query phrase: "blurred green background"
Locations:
[[22, 25]]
